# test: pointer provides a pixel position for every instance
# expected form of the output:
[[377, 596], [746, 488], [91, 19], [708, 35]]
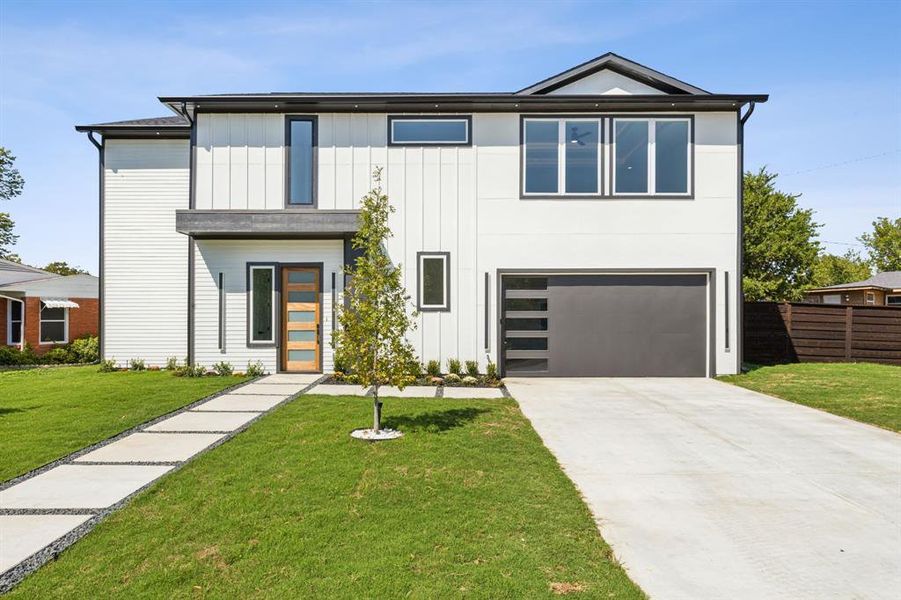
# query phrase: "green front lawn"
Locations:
[[862, 391], [468, 503], [46, 414]]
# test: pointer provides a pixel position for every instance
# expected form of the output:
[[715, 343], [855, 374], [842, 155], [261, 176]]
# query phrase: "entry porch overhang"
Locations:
[[286, 223]]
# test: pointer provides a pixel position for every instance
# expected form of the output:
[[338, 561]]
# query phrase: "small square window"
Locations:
[[434, 281]]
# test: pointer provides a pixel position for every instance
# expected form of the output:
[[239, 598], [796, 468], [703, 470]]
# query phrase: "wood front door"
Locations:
[[301, 319]]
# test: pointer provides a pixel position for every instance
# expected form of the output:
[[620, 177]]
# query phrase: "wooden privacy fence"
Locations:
[[796, 332]]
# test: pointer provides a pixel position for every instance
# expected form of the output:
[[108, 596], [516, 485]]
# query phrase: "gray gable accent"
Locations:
[[618, 64]]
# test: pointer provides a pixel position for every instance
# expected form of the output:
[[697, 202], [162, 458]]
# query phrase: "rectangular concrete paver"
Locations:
[[80, 486], [152, 447], [299, 379], [339, 390], [242, 402], [23, 535], [707, 490], [204, 421], [268, 388], [472, 393], [412, 391]]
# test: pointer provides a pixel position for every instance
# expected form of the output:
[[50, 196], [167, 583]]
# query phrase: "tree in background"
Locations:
[[11, 184], [884, 244], [830, 269], [371, 342], [61, 267], [780, 247]]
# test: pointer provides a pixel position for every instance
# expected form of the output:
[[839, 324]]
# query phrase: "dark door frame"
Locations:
[[279, 341]]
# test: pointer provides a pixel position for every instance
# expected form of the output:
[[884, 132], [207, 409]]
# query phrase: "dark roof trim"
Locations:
[[437, 103], [294, 223], [175, 126], [618, 64]]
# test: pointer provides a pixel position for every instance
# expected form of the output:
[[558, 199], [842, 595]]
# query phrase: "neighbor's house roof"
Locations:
[[662, 92], [11, 272], [888, 280], [56, 286]]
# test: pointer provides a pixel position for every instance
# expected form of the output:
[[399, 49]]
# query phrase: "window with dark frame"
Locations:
[[261, 313], [301, 164], [434, 281], [651, 156], [429, 131]]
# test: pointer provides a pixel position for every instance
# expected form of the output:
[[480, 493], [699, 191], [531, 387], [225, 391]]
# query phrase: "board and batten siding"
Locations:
[[145, 277], [230, 257], [466, 201]]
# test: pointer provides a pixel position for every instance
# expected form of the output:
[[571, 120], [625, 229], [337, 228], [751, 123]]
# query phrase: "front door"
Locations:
[[301, 319]]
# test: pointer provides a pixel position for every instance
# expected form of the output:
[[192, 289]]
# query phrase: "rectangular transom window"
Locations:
[[429, 131], [261, 304], [652, 156], [54, 325], [301, 150], [562, 156], [13, 321], [893, 300], [434, 281]]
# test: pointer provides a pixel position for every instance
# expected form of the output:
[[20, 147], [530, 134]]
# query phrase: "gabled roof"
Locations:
[[11, 272], [618, 64], [66, 286], [888, 280]]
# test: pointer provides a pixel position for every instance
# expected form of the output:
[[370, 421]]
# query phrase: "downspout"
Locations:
[[183, 110], [100, 185], [740, 308]]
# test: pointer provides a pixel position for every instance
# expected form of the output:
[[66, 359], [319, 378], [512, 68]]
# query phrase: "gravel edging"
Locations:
[[13, 576]]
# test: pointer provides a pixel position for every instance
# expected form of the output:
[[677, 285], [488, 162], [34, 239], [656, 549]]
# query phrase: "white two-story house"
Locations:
[[586, 225]]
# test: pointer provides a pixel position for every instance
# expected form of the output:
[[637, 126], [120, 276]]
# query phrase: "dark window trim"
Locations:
[[276, 296], [447, 282], [314, 119], [222, 323], [467, 118], [607, 158], [653, 196], [727, 312]]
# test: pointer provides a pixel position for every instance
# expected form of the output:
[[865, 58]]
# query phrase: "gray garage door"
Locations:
[[604, 325]]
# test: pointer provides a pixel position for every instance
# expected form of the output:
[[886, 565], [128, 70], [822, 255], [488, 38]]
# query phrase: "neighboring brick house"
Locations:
[[43, 309], [882, 289]]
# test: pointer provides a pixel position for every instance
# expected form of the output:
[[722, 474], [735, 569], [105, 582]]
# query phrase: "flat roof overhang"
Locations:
[[286, 223], [442, 103]]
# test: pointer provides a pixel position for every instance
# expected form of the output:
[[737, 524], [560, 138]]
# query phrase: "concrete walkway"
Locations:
[[707, 490], [45, 511]]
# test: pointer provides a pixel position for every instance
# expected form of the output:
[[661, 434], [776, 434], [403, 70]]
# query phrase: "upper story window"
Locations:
[[429, 131], [301, 161], [562, 156], [652, 156]]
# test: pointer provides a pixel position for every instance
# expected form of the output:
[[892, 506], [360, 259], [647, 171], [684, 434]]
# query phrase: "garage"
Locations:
[[605, 324]]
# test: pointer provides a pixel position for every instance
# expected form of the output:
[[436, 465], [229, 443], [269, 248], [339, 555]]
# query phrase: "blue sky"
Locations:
[[832, 127]]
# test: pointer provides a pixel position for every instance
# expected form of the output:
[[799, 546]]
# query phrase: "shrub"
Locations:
[[85, 349], [452, 378], [255, 369], [59, 355], [416, 369], [491, 371], [470, 380], [433, 368], [171, 363], [453, 366], [136, 364], [10, 355], [223, 369], [472, 368], [107, 366]]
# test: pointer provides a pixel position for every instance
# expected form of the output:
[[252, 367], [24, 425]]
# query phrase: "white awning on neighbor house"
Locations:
[[59, 303]]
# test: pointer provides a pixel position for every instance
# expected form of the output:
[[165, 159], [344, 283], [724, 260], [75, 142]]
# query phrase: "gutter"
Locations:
[[750, 112]]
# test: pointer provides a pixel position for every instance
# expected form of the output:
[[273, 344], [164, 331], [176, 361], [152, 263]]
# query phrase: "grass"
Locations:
[[46, 414], [865, 392], [469, 503]]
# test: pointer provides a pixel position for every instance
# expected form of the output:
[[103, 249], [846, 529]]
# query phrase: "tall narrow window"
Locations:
[[261, 305], [53, 325], [541, 156], [671, 157], [14, 321], [222, 311], [301, 160], [631, 139], [434, 281], [582, 148]]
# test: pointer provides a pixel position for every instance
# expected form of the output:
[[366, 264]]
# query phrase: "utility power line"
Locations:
[[843, 163]]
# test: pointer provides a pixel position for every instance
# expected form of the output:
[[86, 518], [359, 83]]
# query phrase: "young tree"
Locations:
[[371, 342], [830, 269], [884, 244], [780, 245], [61, 267], [11, 184]]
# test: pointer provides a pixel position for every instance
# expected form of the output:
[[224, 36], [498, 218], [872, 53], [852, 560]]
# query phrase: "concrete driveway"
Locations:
[[706, 490]]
